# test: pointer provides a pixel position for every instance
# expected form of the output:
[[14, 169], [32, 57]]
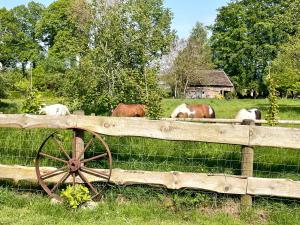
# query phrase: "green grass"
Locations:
[[14, 105], [143, 205], [126, 207], [288, 108]]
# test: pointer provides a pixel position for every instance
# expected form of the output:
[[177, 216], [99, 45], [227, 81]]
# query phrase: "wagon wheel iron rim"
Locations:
[[75, 168]]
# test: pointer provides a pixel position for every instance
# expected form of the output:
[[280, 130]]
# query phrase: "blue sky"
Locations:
[[186, 12]]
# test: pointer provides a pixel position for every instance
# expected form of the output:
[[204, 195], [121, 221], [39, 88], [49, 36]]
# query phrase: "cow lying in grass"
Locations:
[[54, 110], [248, 114]]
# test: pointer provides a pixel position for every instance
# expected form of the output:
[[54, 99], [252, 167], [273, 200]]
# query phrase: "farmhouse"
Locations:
[[208, 84]]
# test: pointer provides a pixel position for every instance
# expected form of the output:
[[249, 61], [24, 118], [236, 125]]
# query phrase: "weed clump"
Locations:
[[76, 195]]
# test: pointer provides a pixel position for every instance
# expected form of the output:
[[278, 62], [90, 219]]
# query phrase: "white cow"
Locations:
[[54, 110], [250, 114]]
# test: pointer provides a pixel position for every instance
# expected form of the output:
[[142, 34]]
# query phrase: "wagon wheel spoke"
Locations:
[[54, 173], [88, 183], [74, 145], [73, 179], [94, 172], [61, 147], [63, 179], [53, 157], [86, 147], [94, 157]]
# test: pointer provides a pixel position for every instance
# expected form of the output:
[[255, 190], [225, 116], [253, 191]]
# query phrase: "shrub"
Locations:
[[219, 97], [154, 108], [32, 103], [76, 195], [230, 95]]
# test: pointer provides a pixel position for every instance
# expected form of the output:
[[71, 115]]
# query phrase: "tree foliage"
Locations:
[[248, 33], [64, 29], [127, 38], [8, 38], [17, 35], [286, 67], [18, 42], [191, 61], [94, 53]]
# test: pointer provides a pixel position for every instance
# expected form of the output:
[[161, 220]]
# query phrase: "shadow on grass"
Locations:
[[8, 107], [21, 185]]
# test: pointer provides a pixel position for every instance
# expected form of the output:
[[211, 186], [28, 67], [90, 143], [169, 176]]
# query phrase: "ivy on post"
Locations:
[[272, 115]]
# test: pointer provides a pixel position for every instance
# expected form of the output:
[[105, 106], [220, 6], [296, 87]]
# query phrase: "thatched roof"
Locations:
[[210, 78]]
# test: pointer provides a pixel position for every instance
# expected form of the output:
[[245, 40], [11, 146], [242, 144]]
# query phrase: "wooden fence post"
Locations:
[[247, 165], [79, 137]]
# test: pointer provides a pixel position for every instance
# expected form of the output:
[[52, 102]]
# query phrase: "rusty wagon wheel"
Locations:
[[79, 156]]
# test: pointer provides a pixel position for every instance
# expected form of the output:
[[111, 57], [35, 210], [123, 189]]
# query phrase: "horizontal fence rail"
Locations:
[[220, 183], [249, 135], [295, 122]]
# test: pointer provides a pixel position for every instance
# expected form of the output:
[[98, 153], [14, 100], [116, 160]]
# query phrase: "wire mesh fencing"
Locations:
[[20, 147]]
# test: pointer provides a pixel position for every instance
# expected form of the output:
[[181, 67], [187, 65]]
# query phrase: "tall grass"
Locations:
[[136, 205]]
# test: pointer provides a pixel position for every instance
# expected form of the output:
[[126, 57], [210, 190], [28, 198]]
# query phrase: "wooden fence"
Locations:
[[222, 131]]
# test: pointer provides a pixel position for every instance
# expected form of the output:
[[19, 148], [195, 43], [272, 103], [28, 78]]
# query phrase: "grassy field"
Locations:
[[288, 108], [143, 205]]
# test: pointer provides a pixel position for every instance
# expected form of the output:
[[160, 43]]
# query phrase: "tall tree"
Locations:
[[28, 48], [248, 33], [64, 28], [64, 31], [191, 61], [127, 37], [18, 43], [9, 31], [286, 67]]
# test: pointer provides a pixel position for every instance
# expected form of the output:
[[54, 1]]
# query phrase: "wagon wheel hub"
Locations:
[[74, 165]]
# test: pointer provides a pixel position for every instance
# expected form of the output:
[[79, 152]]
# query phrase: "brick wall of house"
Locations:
[[206, 92]]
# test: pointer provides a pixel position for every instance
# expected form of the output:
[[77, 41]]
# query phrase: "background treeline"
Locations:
[[248, 38], [98, 54], [94, 54]]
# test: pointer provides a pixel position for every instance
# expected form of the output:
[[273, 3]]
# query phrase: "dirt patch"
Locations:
[[233, 209], [263, 215], [122, 200], [230, 207]]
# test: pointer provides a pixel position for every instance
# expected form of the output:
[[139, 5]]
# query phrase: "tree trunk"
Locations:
[[185, 86], [23, 69]]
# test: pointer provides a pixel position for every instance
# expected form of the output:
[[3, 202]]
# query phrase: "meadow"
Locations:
[[145, 205]]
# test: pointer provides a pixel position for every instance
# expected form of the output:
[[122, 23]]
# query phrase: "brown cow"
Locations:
[[193, 111], [129, 110]]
